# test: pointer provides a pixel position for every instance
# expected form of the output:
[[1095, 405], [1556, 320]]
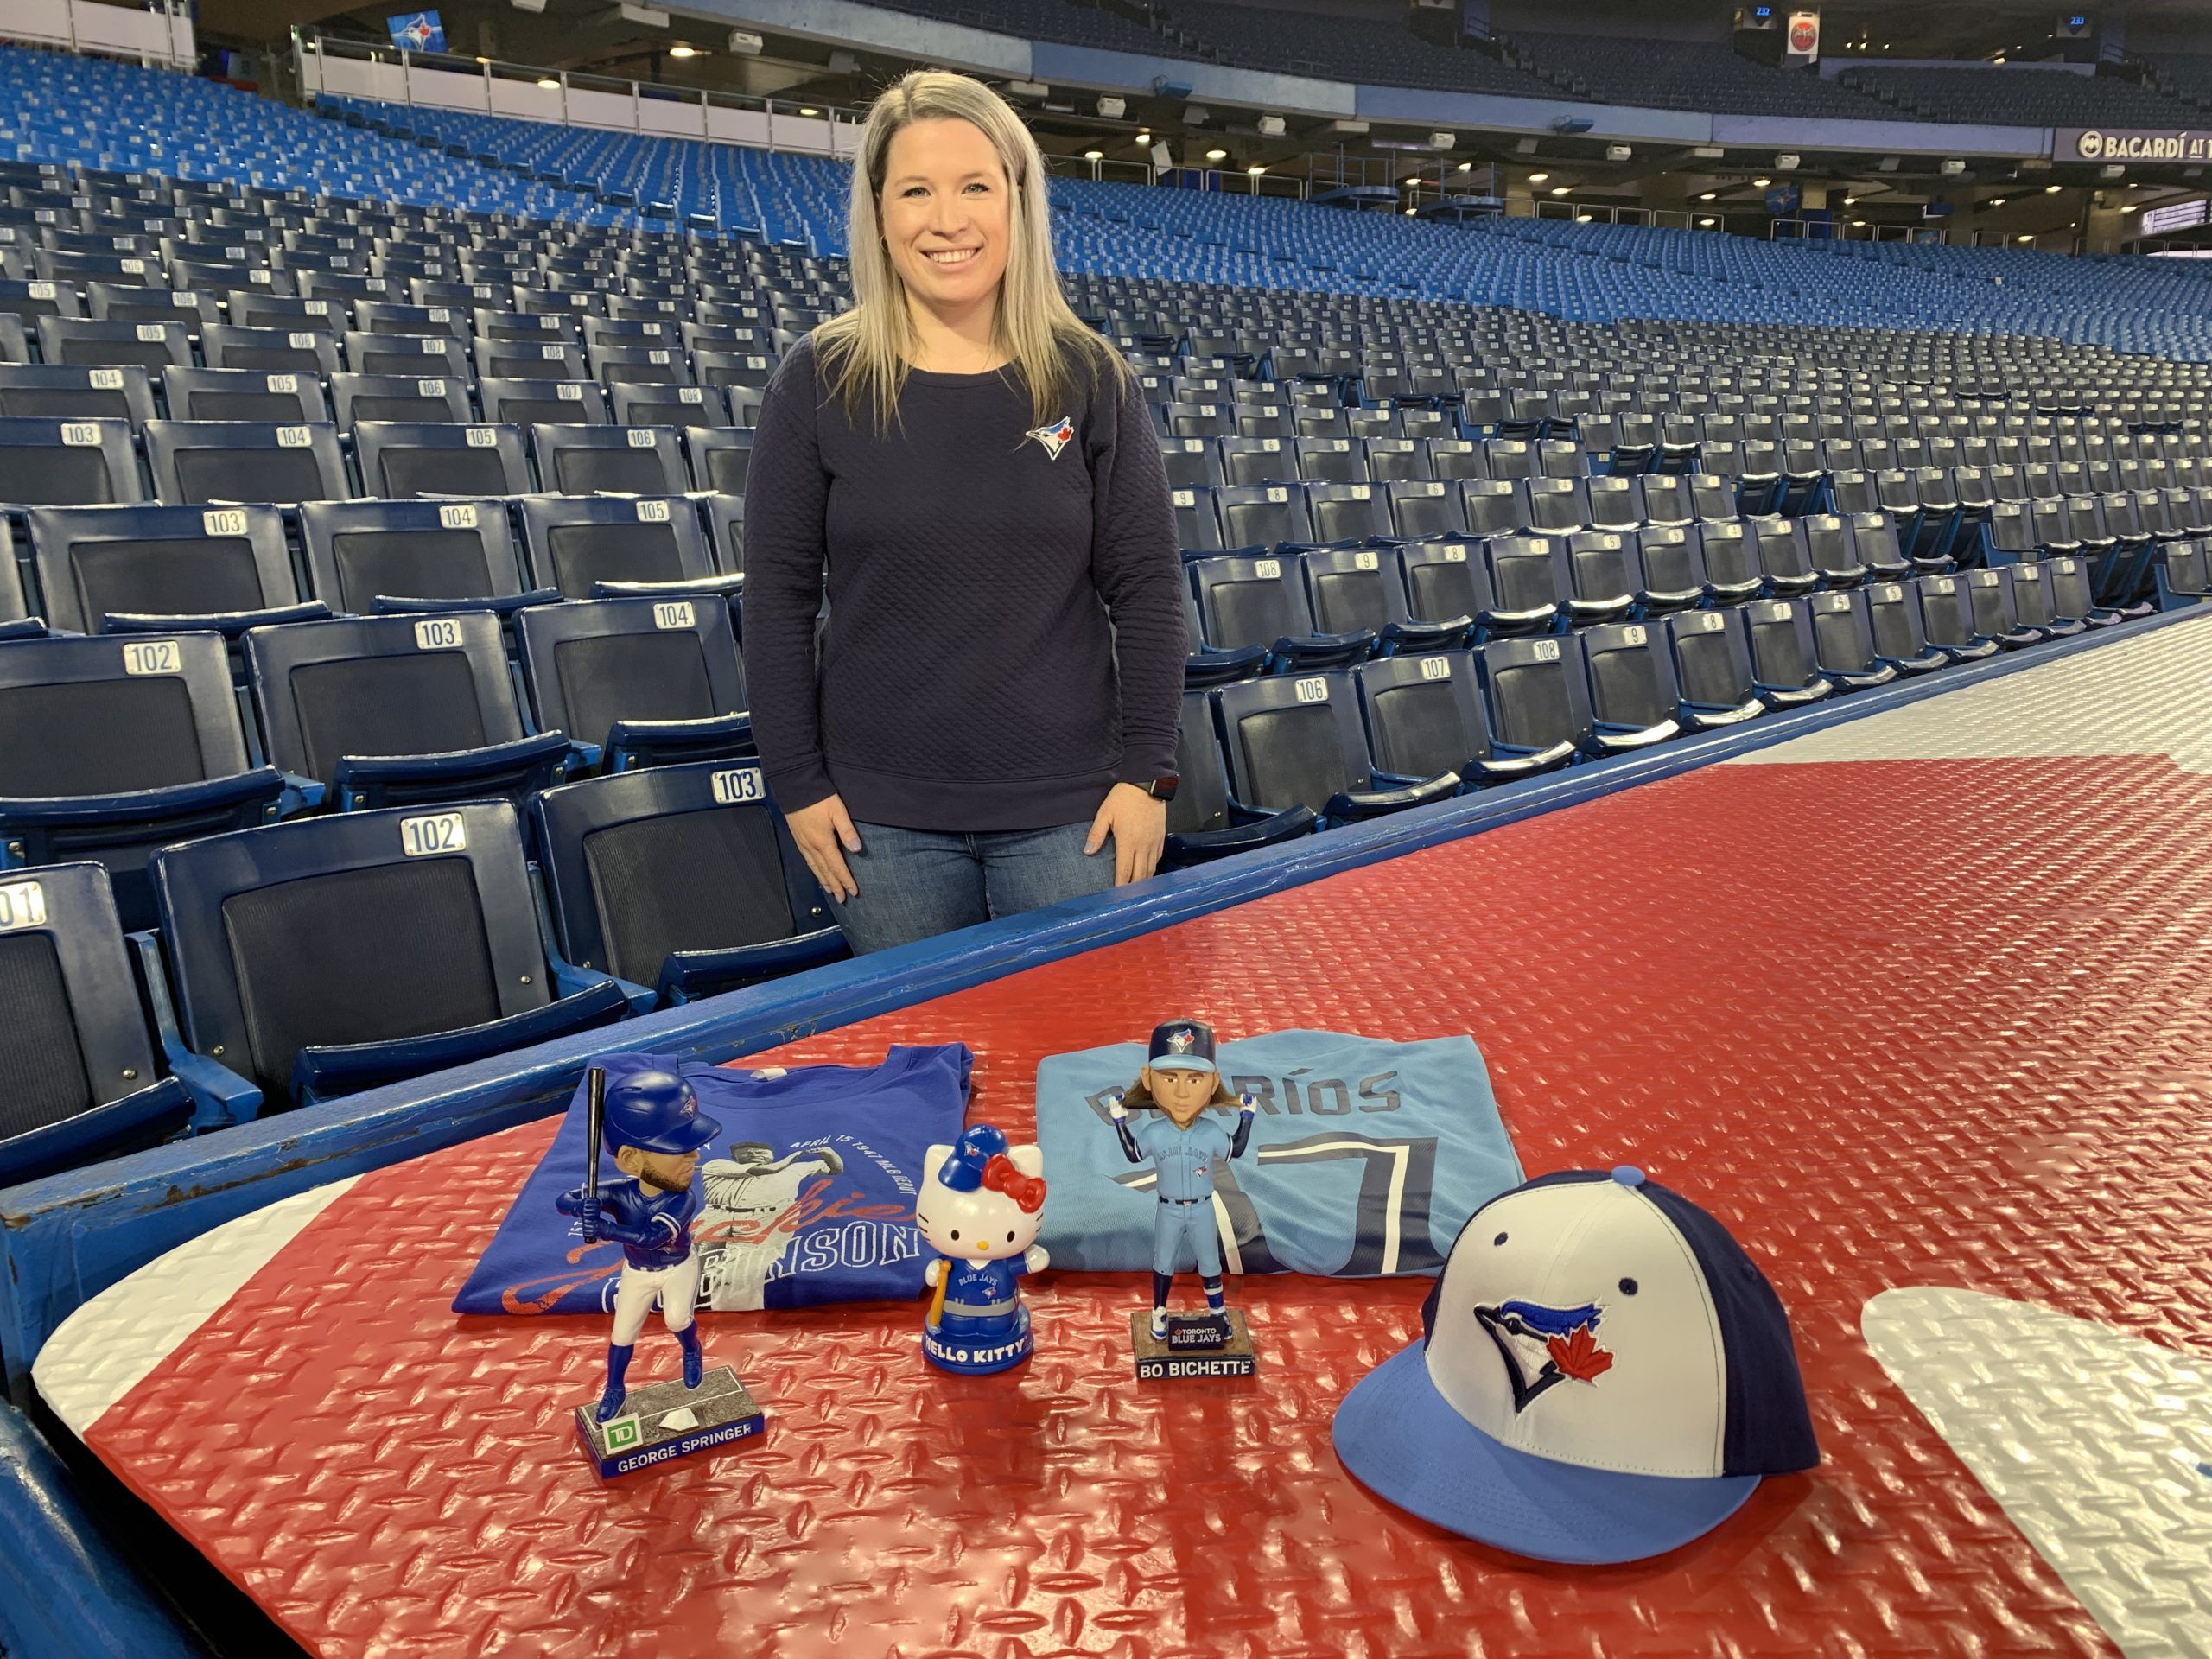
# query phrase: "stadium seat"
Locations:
[[400, 461], [1712, 669], [242, 395], [1730, 555], [1843, 642], [379, 557], [367, 712], [1634, 699], [86, 344], [112, 747], [1785, 670], [1246, 601], [83, 1086], [441, 961], [1948, 621], [42, 392], [1344, 513], [1537, 699], [1425, 717], [637, 682], [625, 461], [1530, 583], [441, 356], [720, 457], [215, 463], [68, 464], [581, 544], [269, 351], [681, 880], [1205, 821], [137, 570], [1900, 641], [357, 398], [528, 403], [1362, 589], [1989, 596], [1296, 740]]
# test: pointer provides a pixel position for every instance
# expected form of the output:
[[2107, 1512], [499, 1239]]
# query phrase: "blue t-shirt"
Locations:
[[1366, 1158], [807, 1196]]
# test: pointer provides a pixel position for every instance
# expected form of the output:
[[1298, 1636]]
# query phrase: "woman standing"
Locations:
[[991, 723]]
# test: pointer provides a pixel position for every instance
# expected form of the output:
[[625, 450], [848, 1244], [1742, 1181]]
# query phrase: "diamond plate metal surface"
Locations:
[[1896, 1022], [2098, 1444]]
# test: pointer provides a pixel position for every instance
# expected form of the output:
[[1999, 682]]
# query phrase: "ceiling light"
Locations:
[[1707, 223], [1466, 166], [1999, 58], [2025, 237], [1538, 178], [1559, 189], [682, 51], [1217, 155], [1093, 155], [1410, 212], [1761, 184], [550, 83], [1144, 137], [1997, 201], [1851, 201], [808, 109], [1256, 169], [2052, 189], [1582, 219], [1858, 221], [1708, 195]]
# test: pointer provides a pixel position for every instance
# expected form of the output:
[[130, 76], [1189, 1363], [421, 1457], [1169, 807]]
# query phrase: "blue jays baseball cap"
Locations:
[[1605, 1375], [1182, 1046]]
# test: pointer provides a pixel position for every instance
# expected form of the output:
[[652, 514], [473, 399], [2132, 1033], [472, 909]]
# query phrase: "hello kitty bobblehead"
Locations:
[[980, 1205]]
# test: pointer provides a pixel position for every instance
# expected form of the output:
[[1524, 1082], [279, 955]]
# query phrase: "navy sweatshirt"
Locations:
[[968, 678]]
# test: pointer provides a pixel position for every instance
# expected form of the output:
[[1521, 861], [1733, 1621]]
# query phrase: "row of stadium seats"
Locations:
[[1673, 74], [2017, 95], [664, 882]]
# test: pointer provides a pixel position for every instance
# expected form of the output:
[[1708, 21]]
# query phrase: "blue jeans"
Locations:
[[915, 884]]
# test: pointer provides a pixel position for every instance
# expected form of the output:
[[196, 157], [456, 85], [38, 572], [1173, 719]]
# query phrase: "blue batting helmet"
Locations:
[[655, 1111]]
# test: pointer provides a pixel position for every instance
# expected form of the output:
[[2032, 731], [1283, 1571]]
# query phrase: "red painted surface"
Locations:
[[1896, 1023]]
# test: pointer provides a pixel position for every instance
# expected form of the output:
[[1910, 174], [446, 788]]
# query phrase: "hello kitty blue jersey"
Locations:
[[1366, 1157]]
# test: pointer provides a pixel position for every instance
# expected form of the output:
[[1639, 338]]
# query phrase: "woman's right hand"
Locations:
[[824, 834]]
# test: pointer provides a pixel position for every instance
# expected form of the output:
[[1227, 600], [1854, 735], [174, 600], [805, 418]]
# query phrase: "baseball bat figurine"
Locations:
[[594, 1128]]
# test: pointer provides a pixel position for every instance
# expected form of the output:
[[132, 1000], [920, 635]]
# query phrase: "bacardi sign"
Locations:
[[2130, 144]]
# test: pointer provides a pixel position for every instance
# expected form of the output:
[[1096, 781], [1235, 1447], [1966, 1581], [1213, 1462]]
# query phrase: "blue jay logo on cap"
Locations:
[[1054, 437], [1543, 1346], [1179, 1042]]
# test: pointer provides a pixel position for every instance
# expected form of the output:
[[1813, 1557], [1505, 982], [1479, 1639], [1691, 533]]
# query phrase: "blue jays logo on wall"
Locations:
[[1545, 1346], [417, 31], [1054, 437]]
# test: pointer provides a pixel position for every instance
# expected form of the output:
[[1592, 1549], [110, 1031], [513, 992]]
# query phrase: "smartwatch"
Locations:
[[1162, 789]]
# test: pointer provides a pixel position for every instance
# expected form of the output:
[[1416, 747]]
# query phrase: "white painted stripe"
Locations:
[[2097, 1444], [112, 1344], [2152, 695]]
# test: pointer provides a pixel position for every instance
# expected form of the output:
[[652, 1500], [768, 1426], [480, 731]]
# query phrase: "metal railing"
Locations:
[[160, 33], [334, 66]]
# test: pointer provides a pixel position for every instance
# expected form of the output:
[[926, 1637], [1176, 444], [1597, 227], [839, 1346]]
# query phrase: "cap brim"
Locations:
[[1404, 1442], [1181, 1062]]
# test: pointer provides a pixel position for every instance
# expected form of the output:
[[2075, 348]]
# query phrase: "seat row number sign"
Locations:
[[433, 832]]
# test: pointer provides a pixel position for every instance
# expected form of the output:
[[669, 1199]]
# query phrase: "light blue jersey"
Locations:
[[1366, 1158]]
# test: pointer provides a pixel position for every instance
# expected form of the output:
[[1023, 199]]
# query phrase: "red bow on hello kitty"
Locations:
[[1027, 1191]]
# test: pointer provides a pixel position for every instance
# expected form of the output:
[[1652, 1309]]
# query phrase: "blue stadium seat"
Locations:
[[681, 879], [110, 747], [1948, 621], [1296, 740], [1674, 570], [1712, 656], [1537, 698], [1785, 669], [400, 461], [720, 457], [1531, 585], [1262, 515], [230, 462], [106, 570], [1356, 589], [1900, 637], [397, 710], [1989, 594], [1425, 717], [68, 464], [441, 961], [357, 398], [1634, 701], [581, 545], [377, 557], [637, 682], [626, 460], [1843, 642], [40, 391], [1246, 601], [83, 1086]]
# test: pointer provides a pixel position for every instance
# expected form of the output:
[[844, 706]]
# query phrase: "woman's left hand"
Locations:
[[1138, 824]]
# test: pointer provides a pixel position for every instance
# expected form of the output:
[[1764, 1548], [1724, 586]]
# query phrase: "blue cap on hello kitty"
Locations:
[[1182, 1046], [963, 1170]]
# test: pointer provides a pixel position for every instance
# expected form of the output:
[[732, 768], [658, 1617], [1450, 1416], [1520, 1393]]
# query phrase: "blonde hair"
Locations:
[[867, 351]]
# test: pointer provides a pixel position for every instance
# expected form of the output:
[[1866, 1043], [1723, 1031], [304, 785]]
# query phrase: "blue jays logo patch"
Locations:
[[1543, 1346], [1054, 437], [1179, 1042]]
